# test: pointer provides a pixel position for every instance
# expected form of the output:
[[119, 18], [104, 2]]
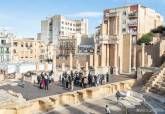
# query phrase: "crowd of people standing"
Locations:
[[44, 80], [71, 79]]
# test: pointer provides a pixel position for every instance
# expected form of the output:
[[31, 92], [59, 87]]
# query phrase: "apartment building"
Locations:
[[5, 37], [30, 50], [118, 33], [58, 26], [69, 44]]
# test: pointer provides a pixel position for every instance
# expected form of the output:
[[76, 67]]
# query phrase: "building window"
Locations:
[[26, 44], [15, 43], [7, 50], [7, 57], [124, 21], [124, 30], [31, 45], [3, 42], [2, 50], [124, 13], [14, 51], [22, 45]]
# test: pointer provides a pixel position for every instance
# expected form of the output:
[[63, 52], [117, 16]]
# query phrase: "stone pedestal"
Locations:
[[70, 62], [115, 71], [139, 74]]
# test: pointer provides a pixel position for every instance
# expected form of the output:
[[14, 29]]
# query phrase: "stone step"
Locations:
[[133, 100]]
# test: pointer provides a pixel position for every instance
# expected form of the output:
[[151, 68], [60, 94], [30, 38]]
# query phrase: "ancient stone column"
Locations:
[[77, 65], [54, 62], [108, 27], [46, 66], [115, 68], [70, 62], [107, 54], [95, 57], [134, 59], [103, 53], [63, 67], [11, 51], [86, 68], [143, 53], [37, 67]]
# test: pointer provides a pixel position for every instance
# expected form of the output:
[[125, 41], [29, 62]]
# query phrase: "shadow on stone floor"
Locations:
[[68, 110], [94, 107]]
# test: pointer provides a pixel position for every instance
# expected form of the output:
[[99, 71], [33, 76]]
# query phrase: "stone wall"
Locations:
[[82, 60], [70, 98], [152, 55]]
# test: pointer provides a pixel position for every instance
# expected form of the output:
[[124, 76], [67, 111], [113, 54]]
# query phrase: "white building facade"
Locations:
[[5, 46], [58, 26]]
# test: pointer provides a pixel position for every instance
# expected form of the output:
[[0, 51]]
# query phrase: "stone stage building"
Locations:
[[117, 35]]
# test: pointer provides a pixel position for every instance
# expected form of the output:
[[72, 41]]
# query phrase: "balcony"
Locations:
[[133, 23], [112, 14], [106, 39], [133, 32], [133, 15]]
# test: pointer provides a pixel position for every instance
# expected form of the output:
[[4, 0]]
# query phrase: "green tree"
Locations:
[[146, 38], [159, 29]]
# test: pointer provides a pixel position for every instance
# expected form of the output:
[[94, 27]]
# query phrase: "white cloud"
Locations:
[[86, 14]]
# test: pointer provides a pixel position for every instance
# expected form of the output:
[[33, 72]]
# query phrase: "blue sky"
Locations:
[[23, 17]]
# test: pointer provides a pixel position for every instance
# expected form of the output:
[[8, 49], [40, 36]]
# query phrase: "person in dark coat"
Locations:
[[117, 95]]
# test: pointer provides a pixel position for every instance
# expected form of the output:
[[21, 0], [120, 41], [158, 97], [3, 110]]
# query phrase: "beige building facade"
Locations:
[[30, 50], [118, 33]]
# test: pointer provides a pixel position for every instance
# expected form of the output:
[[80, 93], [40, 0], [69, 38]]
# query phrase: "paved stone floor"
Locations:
[[97, 106], [91, 107], [31, 91]]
